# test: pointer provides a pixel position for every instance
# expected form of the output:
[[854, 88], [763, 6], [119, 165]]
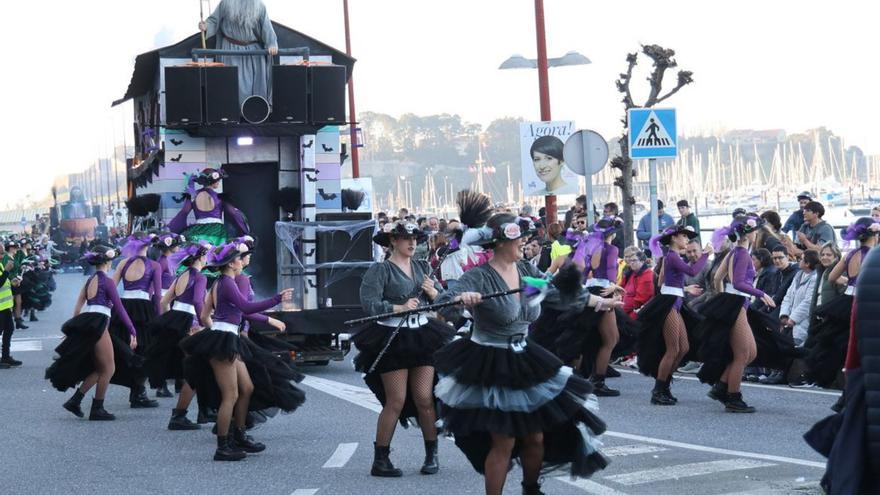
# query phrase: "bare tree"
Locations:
[[663, 60]]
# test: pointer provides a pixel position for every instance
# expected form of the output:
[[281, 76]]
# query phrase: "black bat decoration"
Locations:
[[176, 142], [179, 156], [310, 144], [327, 149], [327, 197]]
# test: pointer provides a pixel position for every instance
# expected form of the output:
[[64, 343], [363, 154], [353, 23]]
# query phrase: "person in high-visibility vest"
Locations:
[[7, 324], [10, 262]]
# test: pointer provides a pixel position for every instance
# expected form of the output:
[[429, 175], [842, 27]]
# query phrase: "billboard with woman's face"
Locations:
[[543, 167]]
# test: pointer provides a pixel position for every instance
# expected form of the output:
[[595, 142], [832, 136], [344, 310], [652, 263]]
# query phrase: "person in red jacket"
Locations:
[[638, 281]]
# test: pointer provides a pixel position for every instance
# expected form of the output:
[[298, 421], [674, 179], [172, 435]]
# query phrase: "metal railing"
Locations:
[[197, 53]]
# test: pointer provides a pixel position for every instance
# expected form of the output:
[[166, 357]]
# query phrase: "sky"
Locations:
[[756, 64]]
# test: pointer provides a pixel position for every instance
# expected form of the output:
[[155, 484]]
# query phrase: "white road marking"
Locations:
[[685, 471], [679, 376], [351, 393], [26, 345], [589, 486], [341, 456], [715, 450], [362, 396], [305, 491], [625, 450], [51, 337]]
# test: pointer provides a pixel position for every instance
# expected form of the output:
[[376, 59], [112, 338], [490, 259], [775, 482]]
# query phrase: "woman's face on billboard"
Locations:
[[547, 168]]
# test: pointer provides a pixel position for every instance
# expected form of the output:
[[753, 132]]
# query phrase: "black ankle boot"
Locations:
[[531, 488], [7, 359], [602, 390], [226, 452], [33, 316], [19, 324], [735, 404], [718, 392], [74, 404], [98, 413], [245, 442], [163, 391], [660, 396], [382, 464], [139, 400], [179, 421], [669, 389], [432, 462], [178, 386]]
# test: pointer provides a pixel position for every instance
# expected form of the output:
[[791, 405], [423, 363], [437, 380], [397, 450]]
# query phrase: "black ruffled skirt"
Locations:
[[141, 312], [76, 354], [411, 348], [826, 344], [164, 357], [775, 349], [652, 318], [580, 335], [484, 390], [272, 377]]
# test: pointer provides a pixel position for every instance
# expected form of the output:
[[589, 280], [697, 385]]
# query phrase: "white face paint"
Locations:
[[243, 12]]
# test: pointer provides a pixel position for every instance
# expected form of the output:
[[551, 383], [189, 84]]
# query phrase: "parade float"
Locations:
[[280, 158]]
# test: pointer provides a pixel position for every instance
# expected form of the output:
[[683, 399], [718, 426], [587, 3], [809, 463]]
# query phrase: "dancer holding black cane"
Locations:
[[400, 371]]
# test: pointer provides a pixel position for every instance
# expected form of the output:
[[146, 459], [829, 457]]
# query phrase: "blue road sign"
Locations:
[[652, 133]]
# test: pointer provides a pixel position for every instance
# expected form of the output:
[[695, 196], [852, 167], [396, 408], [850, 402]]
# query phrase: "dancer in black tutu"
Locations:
[[732, 334], [89, 353], [185, 298], [666, 323], [827, 342], [141, 296], [273, 377], [400, 371], [503, 396], [587, 342], [167, 244], [215, 362]]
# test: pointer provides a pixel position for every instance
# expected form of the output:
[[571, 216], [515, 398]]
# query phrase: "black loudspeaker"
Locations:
[[221, 95], [255, 109], [342, 285], [327, 97], [183, 96], [290, 93]]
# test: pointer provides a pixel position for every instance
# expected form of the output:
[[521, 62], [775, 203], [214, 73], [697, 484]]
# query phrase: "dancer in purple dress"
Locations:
[[89, 355], [210, 210]]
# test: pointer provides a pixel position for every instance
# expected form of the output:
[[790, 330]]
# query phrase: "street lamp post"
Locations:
[[542, 64]]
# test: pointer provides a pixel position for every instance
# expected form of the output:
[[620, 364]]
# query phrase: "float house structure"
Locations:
[[283, 159]]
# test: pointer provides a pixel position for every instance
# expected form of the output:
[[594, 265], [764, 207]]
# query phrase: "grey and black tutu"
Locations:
[[775, 349], [411, 348], [164, 357], [826, 343], [76, 354], [515, 393], [652, 317]]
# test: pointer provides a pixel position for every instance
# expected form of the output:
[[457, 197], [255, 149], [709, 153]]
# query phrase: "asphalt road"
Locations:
[[326, 447]]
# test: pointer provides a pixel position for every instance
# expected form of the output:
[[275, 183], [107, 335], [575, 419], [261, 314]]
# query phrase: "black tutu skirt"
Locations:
[[273, 378], [775, 349], [484, 390], [652, 318], [411, 348], [580, 336], [141, 312], [199, 349], [548, 327], [76, 354], [826, 344], [164, 357]]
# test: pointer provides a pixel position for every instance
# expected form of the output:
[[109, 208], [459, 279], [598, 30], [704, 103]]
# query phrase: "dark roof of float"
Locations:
[[147, 64]]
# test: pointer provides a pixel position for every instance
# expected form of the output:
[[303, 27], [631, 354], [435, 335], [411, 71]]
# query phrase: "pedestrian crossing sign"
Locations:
[[652, 133]]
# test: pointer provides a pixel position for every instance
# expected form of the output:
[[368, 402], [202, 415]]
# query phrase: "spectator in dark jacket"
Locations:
[[579, 206], [767, 278], [688, 218], [638, 281], [787, 271], [611, 210], [796, 219]]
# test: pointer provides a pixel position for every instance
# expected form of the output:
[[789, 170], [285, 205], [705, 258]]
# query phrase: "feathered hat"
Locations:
[[398, 229], [100, 254], [862, 229]]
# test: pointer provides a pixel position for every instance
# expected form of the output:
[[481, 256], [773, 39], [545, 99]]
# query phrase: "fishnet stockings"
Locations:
[[421, 384], [742, 342], [675, 338]]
